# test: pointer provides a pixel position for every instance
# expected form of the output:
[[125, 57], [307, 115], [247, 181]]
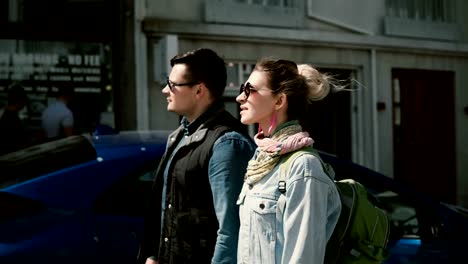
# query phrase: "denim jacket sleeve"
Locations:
[[311, 212], [227, 166]]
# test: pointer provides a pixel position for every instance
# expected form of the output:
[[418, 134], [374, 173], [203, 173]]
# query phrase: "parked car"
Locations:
[[423, 230], [82, 200]]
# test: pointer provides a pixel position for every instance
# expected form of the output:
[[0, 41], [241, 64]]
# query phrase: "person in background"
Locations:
[[276, 97], [194, 216], [13, 135], [57, 118]]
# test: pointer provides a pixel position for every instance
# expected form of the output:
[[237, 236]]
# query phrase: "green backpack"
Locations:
[[363, 229]]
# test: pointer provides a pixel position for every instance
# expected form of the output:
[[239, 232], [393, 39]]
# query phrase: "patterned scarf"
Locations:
[[288, 138]]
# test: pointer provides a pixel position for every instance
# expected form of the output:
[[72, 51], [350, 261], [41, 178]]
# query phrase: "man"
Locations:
[[13, 135], [194, 217], [57, 118]]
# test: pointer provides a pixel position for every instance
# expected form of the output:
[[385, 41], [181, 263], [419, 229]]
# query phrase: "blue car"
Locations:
[[79, 199], [82, 200]]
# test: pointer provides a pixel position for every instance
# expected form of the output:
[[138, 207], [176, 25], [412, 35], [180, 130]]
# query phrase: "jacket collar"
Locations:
[[190, 128]]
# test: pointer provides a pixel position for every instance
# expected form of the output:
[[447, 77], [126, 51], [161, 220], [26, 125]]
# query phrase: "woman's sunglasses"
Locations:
[[245, 88]]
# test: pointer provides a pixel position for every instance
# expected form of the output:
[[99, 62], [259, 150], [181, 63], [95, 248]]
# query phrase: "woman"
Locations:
[[276, 97]]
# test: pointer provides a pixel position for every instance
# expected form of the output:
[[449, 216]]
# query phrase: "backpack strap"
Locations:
[[285, 166], [284, 169]]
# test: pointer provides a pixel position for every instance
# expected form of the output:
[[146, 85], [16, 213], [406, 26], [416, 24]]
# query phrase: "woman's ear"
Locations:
[[281, 101]]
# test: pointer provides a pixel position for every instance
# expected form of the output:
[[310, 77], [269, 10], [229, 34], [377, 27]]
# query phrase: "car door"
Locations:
[[119, 213]]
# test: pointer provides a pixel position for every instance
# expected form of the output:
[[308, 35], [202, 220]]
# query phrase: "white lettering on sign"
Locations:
[[58, 70], [87, 90], [40, 67], [42, 89], [18, 76], [4, 58], [93, 78], [32, 58], [65, 78], [91, 60], [41, 77], [74, 59]]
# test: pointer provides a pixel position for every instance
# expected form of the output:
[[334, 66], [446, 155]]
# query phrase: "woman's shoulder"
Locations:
[[307, 164]]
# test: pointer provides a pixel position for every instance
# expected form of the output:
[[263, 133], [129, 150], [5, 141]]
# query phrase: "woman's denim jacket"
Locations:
[[300, 233]]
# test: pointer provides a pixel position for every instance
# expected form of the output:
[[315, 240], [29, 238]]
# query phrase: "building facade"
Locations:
[[405, 61]]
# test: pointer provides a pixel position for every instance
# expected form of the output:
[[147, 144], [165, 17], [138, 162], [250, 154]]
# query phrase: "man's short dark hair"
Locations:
[[65, 91], [204, 65], [17, 94]]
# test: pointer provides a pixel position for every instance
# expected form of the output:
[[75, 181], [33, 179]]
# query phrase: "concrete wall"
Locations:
[[462, 7]]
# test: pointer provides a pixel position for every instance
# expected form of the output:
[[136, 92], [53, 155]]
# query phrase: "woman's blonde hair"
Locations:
[[317, 83]]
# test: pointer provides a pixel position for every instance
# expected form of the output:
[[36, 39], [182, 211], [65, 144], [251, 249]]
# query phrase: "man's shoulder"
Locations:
[[236, 136], [223, 117], [233, 134]]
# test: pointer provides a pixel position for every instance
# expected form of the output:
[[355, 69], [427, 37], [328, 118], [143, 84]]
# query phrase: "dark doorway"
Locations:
[[330, 119], [424, 131]]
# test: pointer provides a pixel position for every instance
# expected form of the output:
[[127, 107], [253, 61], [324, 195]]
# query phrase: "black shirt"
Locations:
[[12, 133]]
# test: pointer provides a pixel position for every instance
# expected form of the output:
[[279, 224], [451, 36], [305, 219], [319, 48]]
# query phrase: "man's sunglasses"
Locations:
[[172, 84]]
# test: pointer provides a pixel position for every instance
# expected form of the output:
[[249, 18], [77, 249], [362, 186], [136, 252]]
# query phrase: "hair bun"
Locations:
[[317, 83]]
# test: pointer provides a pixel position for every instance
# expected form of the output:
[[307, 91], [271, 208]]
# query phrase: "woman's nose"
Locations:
[[240, 98]]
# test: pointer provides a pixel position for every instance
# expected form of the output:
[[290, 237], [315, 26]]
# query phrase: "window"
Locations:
[[285, 3], [429, 19], [427, 10], [269, 13], [237, 73]]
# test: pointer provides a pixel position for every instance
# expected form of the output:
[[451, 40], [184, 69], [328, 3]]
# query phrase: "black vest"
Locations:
[[190, 225]]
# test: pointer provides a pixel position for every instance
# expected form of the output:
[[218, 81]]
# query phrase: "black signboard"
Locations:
[[85, 68]]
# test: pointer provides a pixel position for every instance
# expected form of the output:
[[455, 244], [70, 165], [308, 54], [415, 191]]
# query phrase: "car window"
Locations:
[[402, 214], [129, 196], [35, 161]]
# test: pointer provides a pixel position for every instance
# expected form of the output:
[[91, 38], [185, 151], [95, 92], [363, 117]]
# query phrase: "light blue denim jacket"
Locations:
[[300, 233]]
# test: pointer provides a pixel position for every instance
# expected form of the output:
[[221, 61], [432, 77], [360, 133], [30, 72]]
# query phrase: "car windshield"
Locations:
[[44, 158]]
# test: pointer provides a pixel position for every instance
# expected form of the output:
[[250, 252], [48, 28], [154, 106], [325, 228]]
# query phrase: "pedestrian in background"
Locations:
[[57, 118], [13, 135], [194, 216], [276, 97]]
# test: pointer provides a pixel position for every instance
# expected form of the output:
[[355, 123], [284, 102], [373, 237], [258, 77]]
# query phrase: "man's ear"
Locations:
[[281, 101], [201, 88], [203, 92]]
